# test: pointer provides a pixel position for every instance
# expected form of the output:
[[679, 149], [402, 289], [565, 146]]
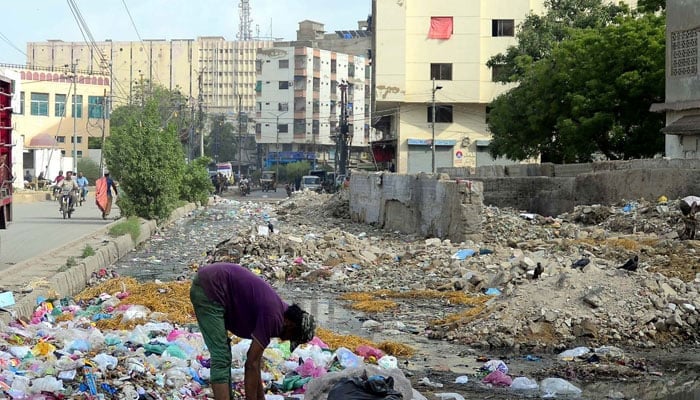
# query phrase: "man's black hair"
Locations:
[[295, 314]]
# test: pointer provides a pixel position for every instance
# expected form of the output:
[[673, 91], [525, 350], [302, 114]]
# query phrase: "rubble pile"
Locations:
[[597, 303]]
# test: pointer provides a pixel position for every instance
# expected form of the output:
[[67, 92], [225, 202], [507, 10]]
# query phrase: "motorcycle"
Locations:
[[57, 193], [288, 189], [66, 203], [244, 188], [83, 196]]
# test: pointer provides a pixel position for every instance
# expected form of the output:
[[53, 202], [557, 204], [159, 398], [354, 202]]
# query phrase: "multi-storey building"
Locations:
[[55, 117], [299, 106], [438, 50], [218, 72]]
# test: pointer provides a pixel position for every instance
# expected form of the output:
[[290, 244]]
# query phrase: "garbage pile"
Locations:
[[67, 349]]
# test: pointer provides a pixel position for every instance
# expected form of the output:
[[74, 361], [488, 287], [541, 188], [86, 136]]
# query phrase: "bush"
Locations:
[[88, 251], [196, 184], [90, 169], [293, 171]]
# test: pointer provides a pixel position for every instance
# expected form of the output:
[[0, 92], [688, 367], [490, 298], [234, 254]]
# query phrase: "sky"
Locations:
[[41, 20]]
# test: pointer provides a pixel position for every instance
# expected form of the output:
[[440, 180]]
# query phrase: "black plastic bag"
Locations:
[[372, 388]]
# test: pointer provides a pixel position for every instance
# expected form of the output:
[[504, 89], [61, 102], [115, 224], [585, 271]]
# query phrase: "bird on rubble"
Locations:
[[580, 263], [631, 264], [538, 271], [270, 227]]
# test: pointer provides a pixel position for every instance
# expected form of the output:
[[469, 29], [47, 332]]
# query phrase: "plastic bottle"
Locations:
[[347, 358]]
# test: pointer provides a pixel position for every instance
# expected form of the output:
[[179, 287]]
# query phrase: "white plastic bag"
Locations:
[[388, 362], [105, 362], [558, 386], [47, 384], [462, 379], [523, 383], [573, 353]]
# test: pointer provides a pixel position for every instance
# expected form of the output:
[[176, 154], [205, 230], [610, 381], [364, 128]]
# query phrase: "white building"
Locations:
[[299, 104]]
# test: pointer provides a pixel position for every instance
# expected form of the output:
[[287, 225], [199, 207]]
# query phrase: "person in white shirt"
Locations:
[[689, 205]]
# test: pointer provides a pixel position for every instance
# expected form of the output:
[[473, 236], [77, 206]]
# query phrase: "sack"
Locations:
[[372, 388]]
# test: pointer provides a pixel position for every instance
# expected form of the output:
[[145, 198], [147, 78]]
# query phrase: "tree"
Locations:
[[90, 169], [222, 143], [592, 94], [147, 160], [537, 35], [651, 6]]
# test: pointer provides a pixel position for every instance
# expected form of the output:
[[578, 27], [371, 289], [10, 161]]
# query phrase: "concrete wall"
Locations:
[[550, 189], [419, 204]]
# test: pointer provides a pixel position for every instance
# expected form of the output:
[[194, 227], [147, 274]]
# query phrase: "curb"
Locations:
[[73, 280]]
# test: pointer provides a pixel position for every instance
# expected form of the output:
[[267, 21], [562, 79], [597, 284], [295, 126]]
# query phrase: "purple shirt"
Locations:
[[253, 309]]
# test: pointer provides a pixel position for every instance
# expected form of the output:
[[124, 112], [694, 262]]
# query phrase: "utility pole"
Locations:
[[75, 122], [199, 117], [432, 143], [104, 123], [277, 146], [240, 135], [342, 137]]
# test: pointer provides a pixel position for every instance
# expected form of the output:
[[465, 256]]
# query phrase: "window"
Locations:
[[258, 129], [282, 106], [282, 128], [351, 70], [77, 106], [502, 27], [315, 127], [441, 72], [284, 85], [442, 113], [40, 104], [80, 139], [95, 106], [21, 103], [79, 153], [60, 105], [299, 126], [334, 66], [684, 53], [61, 139], [283, 64], [440, 28], [497, 71]]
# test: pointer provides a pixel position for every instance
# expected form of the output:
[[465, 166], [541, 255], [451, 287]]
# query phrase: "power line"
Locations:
[[9, 42]]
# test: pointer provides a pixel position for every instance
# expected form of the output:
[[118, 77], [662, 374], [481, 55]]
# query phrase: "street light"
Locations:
[[432, 144]]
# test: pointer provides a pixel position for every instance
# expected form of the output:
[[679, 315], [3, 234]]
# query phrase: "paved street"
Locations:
[[38, 227]]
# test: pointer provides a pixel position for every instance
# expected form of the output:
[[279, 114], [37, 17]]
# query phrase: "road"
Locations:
[[38, 228], [257, 194]]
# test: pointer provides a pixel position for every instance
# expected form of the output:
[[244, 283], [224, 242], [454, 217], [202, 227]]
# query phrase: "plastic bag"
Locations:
[[308, 368], [373, 388], [495, 365], [20, 351], [47, 384], [105, 361], [558, 386], [388, 362], [135, 312], [498, 378], [239, 351], [43, 348], [523, 383], [369, 351], [81, 345], [347, 358], [462, 379], [574, 353], [138, 336]]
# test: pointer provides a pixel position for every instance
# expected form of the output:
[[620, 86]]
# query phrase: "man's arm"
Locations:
[[253, 381]]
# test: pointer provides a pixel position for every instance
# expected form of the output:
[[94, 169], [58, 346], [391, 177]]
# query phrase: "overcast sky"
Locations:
[[40, 20]]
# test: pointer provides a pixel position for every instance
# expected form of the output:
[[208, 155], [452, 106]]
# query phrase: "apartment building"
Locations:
[[299, 105], [221, 71], [424, 50], [52, 114], [682, 103]]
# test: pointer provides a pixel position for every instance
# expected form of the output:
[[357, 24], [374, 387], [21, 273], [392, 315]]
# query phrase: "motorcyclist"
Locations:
[[244, 185], [288, 188], [82, 184], [57, 184], [69, 184]]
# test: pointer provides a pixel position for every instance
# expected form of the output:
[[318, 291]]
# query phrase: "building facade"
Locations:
[[213, 71], [438, 50], [682, 103], [300, 103], [52, 114]]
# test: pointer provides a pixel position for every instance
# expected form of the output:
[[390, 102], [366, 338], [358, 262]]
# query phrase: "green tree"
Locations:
[[147, 160], [592, 94], [196, 184], [222, 142], [651, 6], [90, 169], [538, 34]]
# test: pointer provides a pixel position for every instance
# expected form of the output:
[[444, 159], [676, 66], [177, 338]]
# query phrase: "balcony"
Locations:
[[300, 71]]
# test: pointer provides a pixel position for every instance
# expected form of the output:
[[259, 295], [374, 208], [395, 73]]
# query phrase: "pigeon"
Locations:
[[580, 263], [538, 271], [631, 264], [270, 227]]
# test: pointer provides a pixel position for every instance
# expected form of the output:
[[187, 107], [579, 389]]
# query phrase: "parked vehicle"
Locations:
[[244, 187], [6, 178], [268, 181], [311, 182]]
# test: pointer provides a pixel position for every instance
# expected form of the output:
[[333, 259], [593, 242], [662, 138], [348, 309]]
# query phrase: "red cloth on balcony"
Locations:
[[440, 28]]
